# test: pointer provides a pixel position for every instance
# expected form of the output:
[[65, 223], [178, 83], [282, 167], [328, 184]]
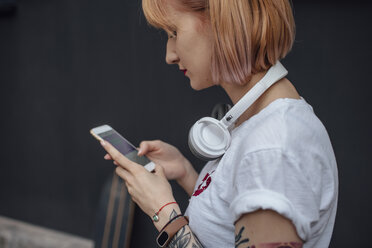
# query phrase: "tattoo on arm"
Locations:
[[239, 241], [197, 243], [183, 237], [238, 238]]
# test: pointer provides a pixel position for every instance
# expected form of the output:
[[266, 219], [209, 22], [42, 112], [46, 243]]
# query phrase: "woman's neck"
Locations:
[[281, 89]]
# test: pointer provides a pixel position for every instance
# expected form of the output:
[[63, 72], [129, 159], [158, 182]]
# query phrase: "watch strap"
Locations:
[[166, 235]]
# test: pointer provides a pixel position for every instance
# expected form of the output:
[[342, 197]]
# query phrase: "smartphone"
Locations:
[[105, 132]]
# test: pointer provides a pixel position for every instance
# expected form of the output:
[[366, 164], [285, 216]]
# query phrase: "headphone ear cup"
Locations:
[[220, 110], [193, 150], [208, 139]]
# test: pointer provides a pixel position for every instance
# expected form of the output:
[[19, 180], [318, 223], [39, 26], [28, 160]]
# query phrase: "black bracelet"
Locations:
[[175, 217]]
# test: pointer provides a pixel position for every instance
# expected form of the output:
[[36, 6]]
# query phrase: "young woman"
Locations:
[[276, 185]]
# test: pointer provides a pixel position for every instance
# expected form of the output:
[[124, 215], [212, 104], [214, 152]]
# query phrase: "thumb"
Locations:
[[148, 146]]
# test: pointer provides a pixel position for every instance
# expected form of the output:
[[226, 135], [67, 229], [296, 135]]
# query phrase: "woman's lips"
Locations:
[[184, 71]]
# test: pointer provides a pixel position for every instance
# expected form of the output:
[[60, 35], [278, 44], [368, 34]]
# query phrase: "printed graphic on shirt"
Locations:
[[204, 184]]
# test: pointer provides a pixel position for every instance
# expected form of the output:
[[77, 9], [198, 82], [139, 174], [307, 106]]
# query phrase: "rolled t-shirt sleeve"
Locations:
[[270, 179]]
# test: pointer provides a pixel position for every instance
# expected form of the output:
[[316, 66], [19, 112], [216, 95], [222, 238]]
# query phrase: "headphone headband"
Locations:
[[273, 75]]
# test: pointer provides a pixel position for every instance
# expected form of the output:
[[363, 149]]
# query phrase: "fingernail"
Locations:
[[139, 152], [103, 143]]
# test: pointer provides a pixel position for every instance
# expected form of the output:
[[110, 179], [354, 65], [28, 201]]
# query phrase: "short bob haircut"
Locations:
[[249, 35]]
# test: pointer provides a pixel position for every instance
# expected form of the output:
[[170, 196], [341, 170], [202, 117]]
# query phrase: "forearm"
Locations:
[[184, 237], [189, 180]]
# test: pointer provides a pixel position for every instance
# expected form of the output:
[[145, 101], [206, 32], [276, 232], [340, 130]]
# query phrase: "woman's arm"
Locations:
[[266, 229], [153, 194], [261, 229], [189, 180], [184, 237]]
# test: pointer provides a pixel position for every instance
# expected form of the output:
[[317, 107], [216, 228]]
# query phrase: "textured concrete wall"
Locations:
[[17, 234]]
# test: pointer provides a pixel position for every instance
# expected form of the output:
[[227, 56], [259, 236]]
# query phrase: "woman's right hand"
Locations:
[[175, 165]]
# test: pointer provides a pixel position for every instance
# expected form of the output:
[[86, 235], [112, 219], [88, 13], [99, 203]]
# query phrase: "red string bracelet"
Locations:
[[155, 218]]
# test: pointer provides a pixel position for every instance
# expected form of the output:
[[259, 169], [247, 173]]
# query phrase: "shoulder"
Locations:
[[286, 124], [284, 141]]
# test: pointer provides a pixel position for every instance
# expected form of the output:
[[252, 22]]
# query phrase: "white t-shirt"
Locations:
[[280, 159]]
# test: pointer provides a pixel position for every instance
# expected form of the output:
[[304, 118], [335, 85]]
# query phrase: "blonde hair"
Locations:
[[249, 35]]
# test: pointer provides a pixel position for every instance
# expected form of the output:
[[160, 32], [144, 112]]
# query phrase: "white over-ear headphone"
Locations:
[[210, 138]]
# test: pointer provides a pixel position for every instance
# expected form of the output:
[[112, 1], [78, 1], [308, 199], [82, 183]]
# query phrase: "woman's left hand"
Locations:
[[149, 190]]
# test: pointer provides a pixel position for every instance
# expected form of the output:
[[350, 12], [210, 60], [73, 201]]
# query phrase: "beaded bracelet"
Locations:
[[155, 218]]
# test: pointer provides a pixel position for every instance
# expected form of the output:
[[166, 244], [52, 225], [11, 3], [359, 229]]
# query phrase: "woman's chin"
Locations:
[[196, 87], [199, 86]]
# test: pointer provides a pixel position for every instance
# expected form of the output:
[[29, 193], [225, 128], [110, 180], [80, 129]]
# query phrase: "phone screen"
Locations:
[[123, 146]]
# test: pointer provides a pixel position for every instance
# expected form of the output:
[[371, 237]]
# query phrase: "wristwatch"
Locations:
[[166, 235]]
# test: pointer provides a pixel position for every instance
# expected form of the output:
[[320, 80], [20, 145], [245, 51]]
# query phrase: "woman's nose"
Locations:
[[171, 56]]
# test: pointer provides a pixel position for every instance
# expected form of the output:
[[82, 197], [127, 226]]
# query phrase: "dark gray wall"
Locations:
[[67, 66]]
